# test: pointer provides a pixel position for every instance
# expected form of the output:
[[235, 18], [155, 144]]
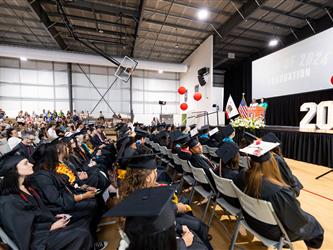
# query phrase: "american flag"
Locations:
[[243, 108]]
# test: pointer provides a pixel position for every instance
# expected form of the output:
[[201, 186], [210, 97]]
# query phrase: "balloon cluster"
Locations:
[[182, 90]]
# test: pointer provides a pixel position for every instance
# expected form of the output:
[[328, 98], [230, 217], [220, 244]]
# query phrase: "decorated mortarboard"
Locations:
[[192, 126], [147, 211], [204, 129], [213, 131], [141, 161], [227, 131], [141, 133], [227, 151], [192, 143], [9, 161], [271, 137], [194, 132], [259, 150]]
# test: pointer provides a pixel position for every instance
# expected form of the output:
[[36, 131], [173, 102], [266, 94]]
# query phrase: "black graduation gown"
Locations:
[[298, 224], [28, 222], [184, 155], [58, 196], [199, 161], [288, 176]]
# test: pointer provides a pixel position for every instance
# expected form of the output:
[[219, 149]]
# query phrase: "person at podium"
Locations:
[[254, 103]]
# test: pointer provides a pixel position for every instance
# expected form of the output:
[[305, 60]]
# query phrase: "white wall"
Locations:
[[201, 57], [36, 85]]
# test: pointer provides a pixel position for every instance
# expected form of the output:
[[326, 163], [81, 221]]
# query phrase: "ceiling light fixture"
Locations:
[[160, 71], [177, 46], [203, 14], [273, 42], [100, 31], [24, 59]]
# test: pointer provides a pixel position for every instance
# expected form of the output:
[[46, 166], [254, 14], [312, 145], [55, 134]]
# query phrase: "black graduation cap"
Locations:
[[227, 131], [163, 134], [147, 211], [271, 137], [183, 139], [227, 151], [9, 161], [141, 133], [204, 129], [250, 136], [67, 139], [119, 126], [192, 143], [124, 129], [141, 161]]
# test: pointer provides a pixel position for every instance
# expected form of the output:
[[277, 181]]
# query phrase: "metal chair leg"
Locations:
[[206, 209], [212, 215], [192, 193], [235, 234]]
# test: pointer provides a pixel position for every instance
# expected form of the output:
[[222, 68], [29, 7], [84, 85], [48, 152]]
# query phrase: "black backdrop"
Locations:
[[285, 110]]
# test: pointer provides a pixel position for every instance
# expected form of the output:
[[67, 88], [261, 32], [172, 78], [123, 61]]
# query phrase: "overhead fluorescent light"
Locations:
[[24, 59], [160, 71]]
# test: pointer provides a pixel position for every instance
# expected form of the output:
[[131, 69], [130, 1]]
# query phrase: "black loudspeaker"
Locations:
[[162, 102], [201, 73]]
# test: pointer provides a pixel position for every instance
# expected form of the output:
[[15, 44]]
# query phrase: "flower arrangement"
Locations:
[[61, 168], [247, 122]]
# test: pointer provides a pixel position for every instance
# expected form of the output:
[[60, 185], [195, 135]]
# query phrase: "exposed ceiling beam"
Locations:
[[109, 8], [84, 18], [25, 19], [246, 9], [197, 7], [23, 34], [283, 13], [14, 7], [280, 25], [256, 31], [173, 25], [93, 30], [138, 23], [173, 34], [166, 41], [246, 38], [39, 11], [220, 45], [16, 25], [179, 16]]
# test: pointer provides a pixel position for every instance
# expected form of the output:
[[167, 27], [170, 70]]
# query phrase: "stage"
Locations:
[[313, 146]]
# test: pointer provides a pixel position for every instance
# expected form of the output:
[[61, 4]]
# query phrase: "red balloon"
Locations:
[[197, 96], [181, 90], [183, 106], [332, 79]]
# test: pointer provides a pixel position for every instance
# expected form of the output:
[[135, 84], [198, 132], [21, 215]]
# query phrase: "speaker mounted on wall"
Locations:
[[201, 73]]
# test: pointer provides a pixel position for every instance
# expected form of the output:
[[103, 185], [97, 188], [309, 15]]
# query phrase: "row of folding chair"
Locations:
[[259, 209]]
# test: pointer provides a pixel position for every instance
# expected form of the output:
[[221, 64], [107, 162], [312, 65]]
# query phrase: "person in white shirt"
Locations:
[[254, 103], [51, 132], [12, 138]]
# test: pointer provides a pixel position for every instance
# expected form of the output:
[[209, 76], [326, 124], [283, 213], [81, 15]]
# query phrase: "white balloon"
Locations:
[[325, 115], [311, 108]]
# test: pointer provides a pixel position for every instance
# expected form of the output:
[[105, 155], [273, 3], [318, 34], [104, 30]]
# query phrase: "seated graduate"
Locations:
[[199, 160], [150, 222], [140, 137], [181, 147], [203, 134], [142, 173], [285, 170], [229, 163], [25, 218], [228, 133], [264, 181], [215, 138]]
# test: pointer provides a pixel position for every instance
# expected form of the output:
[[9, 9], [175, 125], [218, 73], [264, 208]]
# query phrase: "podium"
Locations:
[[256, 112]]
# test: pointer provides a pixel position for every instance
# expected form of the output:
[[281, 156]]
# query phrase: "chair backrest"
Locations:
[[212, 151], [199, 174], [205, 149], [185, 165], [258, 209], [223, 185], [244, 162], [176, 159], [7, 240], [4, 147], [164, 150], [169, 151]]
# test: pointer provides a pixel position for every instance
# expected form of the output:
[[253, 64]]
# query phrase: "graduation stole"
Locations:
[[175, 199], [61, 168]]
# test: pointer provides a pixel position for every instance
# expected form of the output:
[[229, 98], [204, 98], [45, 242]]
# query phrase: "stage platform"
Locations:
[[313, 146]]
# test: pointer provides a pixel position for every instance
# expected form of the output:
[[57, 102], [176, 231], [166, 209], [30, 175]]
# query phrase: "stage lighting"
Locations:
[[201, 73], [203, 14], [273, 42]]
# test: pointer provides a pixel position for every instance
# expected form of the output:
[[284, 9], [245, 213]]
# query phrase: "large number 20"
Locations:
[[324, 112]]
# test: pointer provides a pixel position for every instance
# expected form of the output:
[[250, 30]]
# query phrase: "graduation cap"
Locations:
[[10, 160], [141, 161], [204, 129], [250, 136], [192, 126], [163, 134], [183, 139], [271, 137], [192, 143], [213, 131], [141, 133], [147, 211], [119, 126], [181, 127], [227, 151], [194, 132], [259, 150], [227, 131]]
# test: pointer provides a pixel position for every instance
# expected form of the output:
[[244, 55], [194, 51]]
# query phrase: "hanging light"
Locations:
[[273, 42], [203, 14]]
